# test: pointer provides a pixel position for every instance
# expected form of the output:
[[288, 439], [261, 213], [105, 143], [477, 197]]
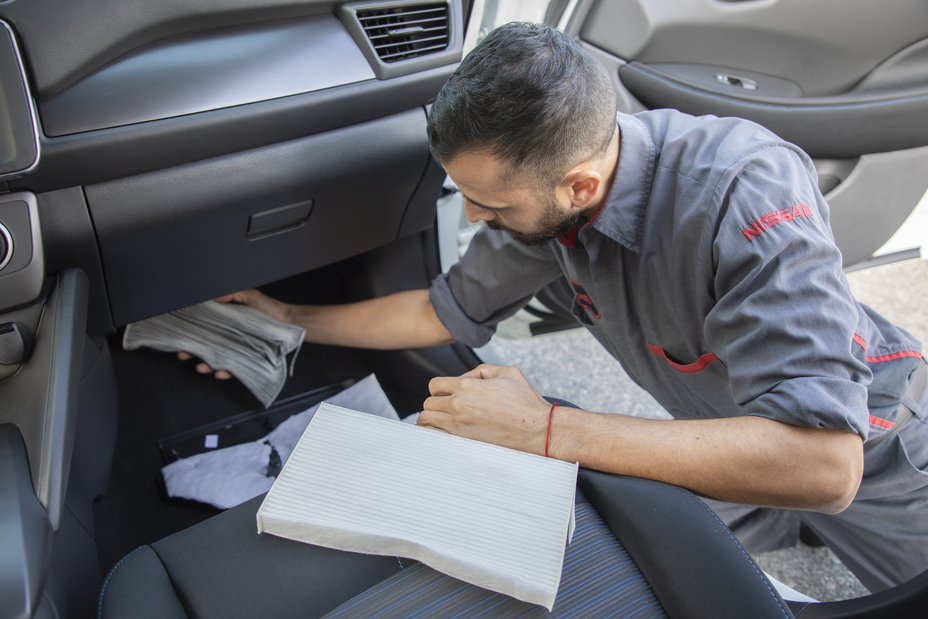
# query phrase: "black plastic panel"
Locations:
[[19, 144], [24, 529], [98, 156], [215, 69], [69, 241], [21, 278], [179, 236], [42, 398]]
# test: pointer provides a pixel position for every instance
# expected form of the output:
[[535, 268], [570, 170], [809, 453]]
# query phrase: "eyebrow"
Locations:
[[484, 206]]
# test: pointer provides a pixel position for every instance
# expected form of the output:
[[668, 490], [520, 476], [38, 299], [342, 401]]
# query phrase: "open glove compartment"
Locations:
[[185, 234]]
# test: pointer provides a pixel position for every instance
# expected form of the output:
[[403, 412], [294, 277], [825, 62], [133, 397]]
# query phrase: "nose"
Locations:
[[474, 213]]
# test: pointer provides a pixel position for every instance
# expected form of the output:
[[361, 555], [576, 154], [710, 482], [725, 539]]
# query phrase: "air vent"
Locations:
[[400, 33]]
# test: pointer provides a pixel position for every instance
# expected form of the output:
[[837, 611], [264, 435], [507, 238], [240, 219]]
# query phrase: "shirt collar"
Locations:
[[622, 213]]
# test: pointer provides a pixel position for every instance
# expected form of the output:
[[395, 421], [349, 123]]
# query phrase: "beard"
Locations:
[[553, 224]]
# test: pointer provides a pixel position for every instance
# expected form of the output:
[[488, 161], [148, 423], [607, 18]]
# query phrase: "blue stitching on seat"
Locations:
[[442, 600], [484, 600], [600, 575], [656, 601], [576, 549], [605, 594], [744, 552], [409, 596], [375, 590], [107, 581], [630, 604], [784, 107], [593, 554]]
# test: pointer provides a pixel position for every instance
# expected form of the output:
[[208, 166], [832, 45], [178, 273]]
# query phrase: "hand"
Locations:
[[252, 298], [203, 368], [491, 404], [260, 301]]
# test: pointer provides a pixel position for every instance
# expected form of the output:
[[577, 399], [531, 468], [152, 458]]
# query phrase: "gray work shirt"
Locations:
[[711, 274]]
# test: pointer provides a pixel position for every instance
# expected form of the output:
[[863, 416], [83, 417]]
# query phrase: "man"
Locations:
[[700, 255]]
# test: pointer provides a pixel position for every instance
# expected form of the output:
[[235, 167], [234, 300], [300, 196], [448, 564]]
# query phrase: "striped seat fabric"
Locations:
[[598, 581]]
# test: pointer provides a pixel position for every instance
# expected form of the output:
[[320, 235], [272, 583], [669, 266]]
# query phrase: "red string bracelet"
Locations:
[[548, 435]]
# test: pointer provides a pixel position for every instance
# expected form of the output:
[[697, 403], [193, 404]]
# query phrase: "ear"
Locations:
[[582, 185]]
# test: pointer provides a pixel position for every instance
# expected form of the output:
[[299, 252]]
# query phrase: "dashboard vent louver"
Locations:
[[400, 33]]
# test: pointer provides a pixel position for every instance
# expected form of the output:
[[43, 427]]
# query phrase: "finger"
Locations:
[[437, 429], [439, 403], [484, 371], [242, 296], [443, 385], [235, 297], [429, 418], [202, 368], [222, 375], [183, 356]]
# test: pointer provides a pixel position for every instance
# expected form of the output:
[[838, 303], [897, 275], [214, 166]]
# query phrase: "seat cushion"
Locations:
[[222, 568], [598, 580]]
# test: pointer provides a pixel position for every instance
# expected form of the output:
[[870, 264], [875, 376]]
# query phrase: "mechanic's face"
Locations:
[[532, 218]]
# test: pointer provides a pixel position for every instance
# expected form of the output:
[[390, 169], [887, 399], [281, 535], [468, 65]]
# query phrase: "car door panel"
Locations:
[[845, 81], [830, 127], [825, 47], [875, 199]]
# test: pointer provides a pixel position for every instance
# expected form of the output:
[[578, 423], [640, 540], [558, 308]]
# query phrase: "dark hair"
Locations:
[[530, 96]]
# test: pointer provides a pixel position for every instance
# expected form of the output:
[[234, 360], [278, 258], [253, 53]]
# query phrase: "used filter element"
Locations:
[[245, 342]]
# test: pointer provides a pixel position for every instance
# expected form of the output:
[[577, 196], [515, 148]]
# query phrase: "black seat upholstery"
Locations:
[[223, 568]]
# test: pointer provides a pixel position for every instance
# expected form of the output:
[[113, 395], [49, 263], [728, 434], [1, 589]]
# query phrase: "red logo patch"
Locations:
[[761, 224]]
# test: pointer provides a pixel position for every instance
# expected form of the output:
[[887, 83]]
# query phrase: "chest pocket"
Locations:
[[696, 390], [582, 307], [685, 368]]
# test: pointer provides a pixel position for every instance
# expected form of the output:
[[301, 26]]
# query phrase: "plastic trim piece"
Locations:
[[895, 181], [22, 276], [17, 111], [7, 247], [24, 529], [42, 398], [818, 125]]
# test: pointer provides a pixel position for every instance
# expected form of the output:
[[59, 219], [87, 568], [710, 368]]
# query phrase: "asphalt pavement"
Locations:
[[573, 366]]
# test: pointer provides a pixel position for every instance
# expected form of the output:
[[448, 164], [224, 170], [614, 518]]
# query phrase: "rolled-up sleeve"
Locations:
[[495, 278], [785, 320]]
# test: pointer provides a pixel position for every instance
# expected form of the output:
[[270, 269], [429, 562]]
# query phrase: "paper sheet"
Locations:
[[490, 516]]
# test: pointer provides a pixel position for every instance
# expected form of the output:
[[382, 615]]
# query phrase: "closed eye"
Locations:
[[484, 206]]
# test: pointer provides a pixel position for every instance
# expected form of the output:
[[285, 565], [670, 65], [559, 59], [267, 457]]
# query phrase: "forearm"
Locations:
[[402, 320], [743, 460]]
